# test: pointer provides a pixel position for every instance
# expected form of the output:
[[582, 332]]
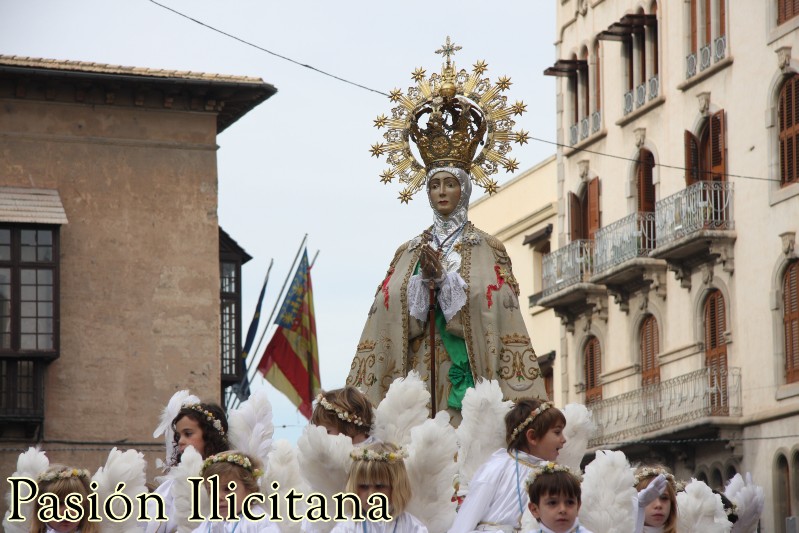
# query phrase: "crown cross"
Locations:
[[448, 49]]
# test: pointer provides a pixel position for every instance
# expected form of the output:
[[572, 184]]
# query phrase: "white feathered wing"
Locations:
[[283, 468], [431, 467], [578, 431], [749, 499], [121, 467], [403, 408], [30, 464], [482, 430], [699, 510], [251, 427], [609, 499], [191, 463]]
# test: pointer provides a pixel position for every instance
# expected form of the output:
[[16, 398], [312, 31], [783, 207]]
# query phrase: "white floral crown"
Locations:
[[549, 468], [209, 415], [341, 413], [529, 420], [65, 473], [365, 454], [234, 458], [653, 471]]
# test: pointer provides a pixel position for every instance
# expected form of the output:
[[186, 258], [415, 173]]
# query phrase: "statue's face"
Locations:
[[444, 191]]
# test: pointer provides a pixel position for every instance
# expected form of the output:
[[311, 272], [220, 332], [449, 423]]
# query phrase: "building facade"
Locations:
[[676, 269], [523, 214], [111, 295]]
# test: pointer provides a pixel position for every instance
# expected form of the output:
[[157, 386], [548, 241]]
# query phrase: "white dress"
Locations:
[[576, 528], [241, 526], [171, 525], [404, 523], [497, 495]]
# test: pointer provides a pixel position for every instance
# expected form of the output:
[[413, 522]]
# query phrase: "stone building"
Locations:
[[115, 277], [523, 214], [674, 267]]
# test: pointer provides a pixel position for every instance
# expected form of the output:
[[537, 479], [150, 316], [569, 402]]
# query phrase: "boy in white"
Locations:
[[555, 499]]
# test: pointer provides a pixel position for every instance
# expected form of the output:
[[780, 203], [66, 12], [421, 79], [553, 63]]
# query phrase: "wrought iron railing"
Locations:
[[573, 130], [568, 265], [703, 205], [584, 129], [628, 102], [654, 87], [699, 394], [632, 236], [690, 65], [596, 121]]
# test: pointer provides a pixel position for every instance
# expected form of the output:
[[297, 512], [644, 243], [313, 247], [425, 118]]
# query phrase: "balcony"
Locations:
[[621, 257], [566, 279], [694, 225], [692, 399]]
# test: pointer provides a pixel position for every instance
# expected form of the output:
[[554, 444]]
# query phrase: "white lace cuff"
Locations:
[[451, 295], [418, 297]]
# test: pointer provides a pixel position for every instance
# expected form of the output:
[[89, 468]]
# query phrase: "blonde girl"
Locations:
[[658, 513], [345, 411], [61, 481]]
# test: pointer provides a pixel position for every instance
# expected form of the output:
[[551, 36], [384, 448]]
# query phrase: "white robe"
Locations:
[[242, 526], [576, 528], [497, 494], [171, 525], [404, 523]]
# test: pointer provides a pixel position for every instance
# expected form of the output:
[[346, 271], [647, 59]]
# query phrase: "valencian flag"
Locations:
[[291, 359]]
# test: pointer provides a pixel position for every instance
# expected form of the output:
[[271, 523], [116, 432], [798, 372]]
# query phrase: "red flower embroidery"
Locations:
[[492, 288]]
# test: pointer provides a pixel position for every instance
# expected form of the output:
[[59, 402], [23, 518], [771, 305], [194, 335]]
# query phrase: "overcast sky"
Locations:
[[299, 163]]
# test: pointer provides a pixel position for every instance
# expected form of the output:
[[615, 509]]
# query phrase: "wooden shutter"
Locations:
[[693, 15], [708, 23], [722, 17], [789, 130], [593, 207], [642, 55], [575, 217], [597, 79], [646, 189], [790, 295], [716, 352], [650, 347], [786, 10], [592, 357], [691, 158], [718, 147]]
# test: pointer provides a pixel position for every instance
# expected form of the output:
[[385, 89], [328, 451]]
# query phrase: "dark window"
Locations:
[[28, 321]]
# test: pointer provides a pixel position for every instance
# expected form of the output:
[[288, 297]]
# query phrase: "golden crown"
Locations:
[[462, 111]]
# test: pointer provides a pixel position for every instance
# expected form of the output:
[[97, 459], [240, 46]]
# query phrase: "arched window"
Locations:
[[707, 40], [584, 212], [592, 355], [716, 482], [650, 347], [789, 131], [782, 496], [716, 352], [706, 155], [790, 300]]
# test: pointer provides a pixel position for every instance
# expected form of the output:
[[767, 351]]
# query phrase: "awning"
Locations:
[[33, 206]]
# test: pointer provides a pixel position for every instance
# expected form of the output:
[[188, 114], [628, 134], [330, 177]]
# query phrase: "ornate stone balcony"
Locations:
[[694, 226], [692, 399]]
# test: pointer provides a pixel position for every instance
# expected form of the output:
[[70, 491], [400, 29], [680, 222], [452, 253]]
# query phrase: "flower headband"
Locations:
[[341, 413], [64, 474], [549, 468], [365, 454], [653, 471], [529, 420], [209, 415], [233, 458]]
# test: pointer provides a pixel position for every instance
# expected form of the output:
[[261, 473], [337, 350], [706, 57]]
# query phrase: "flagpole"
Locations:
[[277, 302]]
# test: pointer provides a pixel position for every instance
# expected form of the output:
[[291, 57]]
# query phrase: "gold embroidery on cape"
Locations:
[[465, 272], [363, 365], [367, 345], [519, 368], [404, 301]]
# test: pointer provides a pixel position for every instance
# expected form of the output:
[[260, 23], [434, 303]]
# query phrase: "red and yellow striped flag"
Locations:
[[293, 350]]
